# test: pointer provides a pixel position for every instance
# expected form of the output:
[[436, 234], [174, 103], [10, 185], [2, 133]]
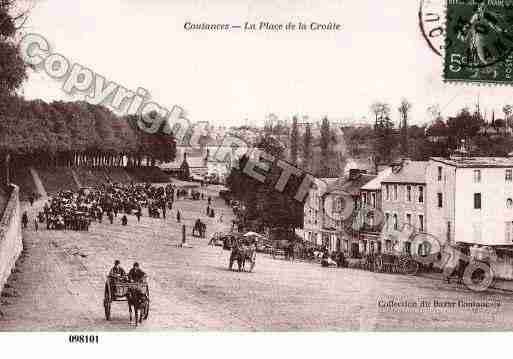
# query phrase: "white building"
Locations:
[[470, 200]]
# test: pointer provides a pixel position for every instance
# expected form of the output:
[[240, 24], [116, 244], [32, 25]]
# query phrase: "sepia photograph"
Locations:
[[253, 166]]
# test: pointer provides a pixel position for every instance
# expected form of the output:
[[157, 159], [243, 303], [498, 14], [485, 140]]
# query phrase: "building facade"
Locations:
[[313, 214], [403, 195], [372, 224], [471, 200]]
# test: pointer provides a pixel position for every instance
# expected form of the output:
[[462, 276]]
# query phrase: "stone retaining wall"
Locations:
[[11, 243]]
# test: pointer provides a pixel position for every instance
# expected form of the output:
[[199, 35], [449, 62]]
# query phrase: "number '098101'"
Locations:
[[84, 339]]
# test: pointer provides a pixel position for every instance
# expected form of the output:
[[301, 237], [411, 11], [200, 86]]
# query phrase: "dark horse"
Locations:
[[137, 299], [241, 253]]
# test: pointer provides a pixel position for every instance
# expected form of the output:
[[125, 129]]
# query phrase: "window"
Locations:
[[395, 192], [421, 222], [448, 231], [387, 191], [509, 203], [373, 200], [408, 219], [509, 175], [509, 231], [477, 200], [364, 197], [407, 247], [440, 200], [396, 225], [408, 193], [370, 218], [387, 220], [439, 173], [421, 194], [477, 176]]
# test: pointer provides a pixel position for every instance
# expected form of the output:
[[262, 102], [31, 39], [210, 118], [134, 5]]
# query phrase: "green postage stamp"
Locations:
[[479, 41]]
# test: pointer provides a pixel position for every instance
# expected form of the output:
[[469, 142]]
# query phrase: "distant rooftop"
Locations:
[[351, 186], [407, 172], [470, 162], [375, 184]]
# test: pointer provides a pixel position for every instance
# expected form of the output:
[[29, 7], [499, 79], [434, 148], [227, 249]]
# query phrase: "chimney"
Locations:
[[354, 173]]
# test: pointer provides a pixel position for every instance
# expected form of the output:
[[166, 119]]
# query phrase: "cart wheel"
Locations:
[[147, 310], [107, 301], [410, 267], [378, 264]]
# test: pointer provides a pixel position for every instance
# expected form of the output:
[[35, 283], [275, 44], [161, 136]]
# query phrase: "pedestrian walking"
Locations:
[[24, 219], [124, 220], [178, 216], [138, 215], [208, 210], [111, 217]]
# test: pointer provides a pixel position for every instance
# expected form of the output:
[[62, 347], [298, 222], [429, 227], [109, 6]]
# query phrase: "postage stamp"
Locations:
[[479, 41]]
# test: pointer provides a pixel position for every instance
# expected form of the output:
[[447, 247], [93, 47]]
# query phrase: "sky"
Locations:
[[227, 77]]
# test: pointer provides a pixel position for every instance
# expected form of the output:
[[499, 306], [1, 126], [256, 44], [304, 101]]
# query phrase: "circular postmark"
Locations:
[[432, 24]]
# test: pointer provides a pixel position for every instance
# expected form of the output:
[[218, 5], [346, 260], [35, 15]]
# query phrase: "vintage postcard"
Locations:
[[255, 166]]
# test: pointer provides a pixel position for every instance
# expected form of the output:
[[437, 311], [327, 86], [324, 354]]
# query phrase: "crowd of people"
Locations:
[[75, 210]]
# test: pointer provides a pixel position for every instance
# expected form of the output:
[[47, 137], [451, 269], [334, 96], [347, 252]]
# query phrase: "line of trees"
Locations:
[[77, 134]]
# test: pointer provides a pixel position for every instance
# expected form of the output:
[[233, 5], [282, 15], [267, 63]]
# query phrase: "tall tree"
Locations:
[[12, 67], [294, 138], [380, 110], [307, 148], [404, 109], [325, 146], [508, 111], [384, 140]]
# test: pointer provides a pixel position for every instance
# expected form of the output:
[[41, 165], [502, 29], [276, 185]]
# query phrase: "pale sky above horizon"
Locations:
[[226, 77]]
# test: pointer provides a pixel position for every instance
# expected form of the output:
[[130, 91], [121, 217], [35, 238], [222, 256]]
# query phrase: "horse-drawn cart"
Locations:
[[117, 290]]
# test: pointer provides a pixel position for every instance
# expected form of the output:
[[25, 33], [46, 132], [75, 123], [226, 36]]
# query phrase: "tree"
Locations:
[[307, 148], [265, 206], [294, 138], [13, 72], [404, 109], [325, 146], [464, 126], [12, 67], [508, 111], [384, 141], [380, 110]]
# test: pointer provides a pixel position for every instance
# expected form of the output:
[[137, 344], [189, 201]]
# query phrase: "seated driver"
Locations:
[[117, 272], [136, 274]]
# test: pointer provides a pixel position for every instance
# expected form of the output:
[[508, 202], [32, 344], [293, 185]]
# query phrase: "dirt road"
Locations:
[[60, 280]]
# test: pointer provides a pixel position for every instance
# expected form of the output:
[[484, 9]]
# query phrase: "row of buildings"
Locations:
[[464, 201]]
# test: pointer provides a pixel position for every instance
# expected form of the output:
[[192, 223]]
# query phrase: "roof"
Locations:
[[375, 184], [351, 186], [410, 172], [475, 162]]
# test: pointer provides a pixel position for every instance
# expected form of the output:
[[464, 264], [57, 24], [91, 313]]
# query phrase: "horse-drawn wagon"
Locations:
[[136, 294]]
